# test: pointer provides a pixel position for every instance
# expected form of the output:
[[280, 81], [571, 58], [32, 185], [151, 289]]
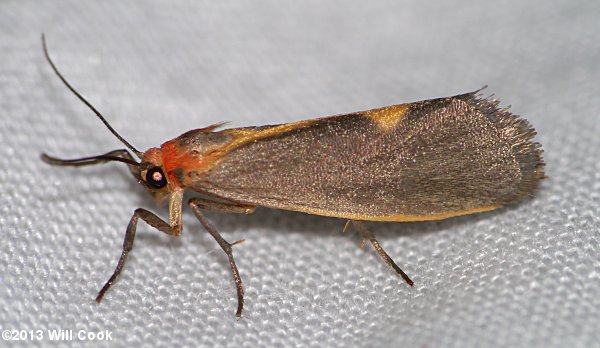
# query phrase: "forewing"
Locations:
[[418, 161]]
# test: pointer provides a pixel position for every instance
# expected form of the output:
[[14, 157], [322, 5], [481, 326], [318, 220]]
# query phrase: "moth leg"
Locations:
[[172, 229], [346, 225], [151, 220], [197, 204], [369, 236]]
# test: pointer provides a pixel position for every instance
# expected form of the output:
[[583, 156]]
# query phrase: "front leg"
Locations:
[[173, 228], [197, 204]]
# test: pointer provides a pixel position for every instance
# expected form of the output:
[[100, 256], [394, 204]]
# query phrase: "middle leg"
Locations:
[[197, 204]]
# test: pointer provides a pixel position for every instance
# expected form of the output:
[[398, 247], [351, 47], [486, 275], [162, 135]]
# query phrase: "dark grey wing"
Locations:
[[441, 158]]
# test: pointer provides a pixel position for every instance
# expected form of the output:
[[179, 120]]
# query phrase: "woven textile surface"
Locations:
[[527, 275]]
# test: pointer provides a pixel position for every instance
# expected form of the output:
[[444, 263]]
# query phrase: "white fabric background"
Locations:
[[527, 275]]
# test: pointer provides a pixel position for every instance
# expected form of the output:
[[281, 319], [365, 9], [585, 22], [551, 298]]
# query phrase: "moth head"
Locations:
[[148, 172], [152, 174]]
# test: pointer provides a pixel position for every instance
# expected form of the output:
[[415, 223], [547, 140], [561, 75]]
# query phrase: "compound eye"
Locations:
[[156, 178]]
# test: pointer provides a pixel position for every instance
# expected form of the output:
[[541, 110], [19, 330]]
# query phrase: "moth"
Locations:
[[427, 160]]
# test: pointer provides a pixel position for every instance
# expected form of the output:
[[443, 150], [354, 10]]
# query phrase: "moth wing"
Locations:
[[420, 161]]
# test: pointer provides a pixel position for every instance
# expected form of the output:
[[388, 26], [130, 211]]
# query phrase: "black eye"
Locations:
[[156, 178]]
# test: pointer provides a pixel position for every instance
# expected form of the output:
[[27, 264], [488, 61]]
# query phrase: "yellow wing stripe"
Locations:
[[242, 136], [388, 117], [395, 218], [385, 118]]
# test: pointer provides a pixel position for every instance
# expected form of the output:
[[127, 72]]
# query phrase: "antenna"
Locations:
[[89, 105]]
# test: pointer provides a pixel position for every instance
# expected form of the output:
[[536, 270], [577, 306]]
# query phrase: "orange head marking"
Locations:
[[177, 159], [153, 156], [189, 152]]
